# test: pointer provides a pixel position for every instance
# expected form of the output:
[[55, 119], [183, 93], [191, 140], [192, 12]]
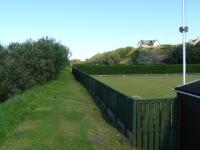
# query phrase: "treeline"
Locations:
[[118, 56], [165, 54], [151, 56], [192, 54], [23, 65]]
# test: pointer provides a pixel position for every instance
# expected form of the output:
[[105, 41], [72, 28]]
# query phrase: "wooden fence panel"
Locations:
[[146, 115], [151, 126], [153, 123], [139, 126]]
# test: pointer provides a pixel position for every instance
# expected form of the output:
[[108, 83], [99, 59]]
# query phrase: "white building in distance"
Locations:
[[195, 41], [148, 43]]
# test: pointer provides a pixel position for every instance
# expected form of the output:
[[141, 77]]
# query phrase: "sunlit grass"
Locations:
[[60, 115], [147, 86]]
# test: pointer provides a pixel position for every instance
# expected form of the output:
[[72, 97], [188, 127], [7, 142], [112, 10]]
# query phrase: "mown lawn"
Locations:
[[147, 87], [64, 117]]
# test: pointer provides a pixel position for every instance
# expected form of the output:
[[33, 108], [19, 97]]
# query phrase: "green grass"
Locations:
[[57, 116], [147, 87]]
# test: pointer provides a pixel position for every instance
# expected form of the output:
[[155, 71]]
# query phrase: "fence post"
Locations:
[[134, 131]]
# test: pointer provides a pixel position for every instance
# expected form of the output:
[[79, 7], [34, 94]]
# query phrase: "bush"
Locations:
[[134, 56], [136, 69], [23, 65], [192, 54], [148, 57], [111, 57]]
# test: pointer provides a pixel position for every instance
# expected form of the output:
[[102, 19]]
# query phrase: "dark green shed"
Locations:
[[189, 98]]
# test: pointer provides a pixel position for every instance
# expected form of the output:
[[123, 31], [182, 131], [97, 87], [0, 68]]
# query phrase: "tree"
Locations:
[[134, 56], [176, 55], [23, 65], [76, 61], [148, 57]]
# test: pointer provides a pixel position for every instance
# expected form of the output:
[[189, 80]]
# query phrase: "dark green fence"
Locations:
[[149, 124], [155, 125]]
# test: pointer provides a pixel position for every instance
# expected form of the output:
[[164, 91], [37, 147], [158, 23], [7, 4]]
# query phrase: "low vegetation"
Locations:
[[118, 56], [136, 69], [16, 109], [58, 115], [193, 55], [23, 65], [165, 54]]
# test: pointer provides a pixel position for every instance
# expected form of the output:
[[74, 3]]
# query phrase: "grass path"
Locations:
[[66, 119]]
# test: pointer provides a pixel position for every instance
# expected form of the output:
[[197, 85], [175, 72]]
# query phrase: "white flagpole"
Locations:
[[184, 47], [184, 30]]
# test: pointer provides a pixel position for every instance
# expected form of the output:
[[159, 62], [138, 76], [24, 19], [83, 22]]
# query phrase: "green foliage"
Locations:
[[13, 111], [48, 117], [151, 56], [130, 55], [111, 57], [124, 52], [136, 69], [134, 56], [193, 54], [24, 65], [75, 61], [165, 54], [148, 57], [175, 57]]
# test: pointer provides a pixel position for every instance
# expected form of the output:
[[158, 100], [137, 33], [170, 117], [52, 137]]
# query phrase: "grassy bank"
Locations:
[[58, 115], [15, 110]]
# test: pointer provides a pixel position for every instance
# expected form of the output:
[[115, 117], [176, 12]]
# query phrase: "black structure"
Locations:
[[189, 97]]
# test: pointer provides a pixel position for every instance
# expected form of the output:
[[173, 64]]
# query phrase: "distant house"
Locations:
[[195, 41], [148, 43]]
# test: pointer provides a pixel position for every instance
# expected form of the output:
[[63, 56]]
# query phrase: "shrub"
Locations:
[[136, 69], [23, 65], [111, 57], [176, 55], [148, 57]]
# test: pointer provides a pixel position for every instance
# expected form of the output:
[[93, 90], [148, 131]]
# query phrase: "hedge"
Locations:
[[23, 65], [136, 69]]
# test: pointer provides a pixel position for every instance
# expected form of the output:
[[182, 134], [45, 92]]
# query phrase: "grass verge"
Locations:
[[14, 110], [59, 115]]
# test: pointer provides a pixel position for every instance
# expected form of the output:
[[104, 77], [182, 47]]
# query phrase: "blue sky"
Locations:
[[91, 26]]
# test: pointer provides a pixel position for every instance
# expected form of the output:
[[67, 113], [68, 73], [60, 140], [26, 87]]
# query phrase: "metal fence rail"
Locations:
[[149, 124]]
